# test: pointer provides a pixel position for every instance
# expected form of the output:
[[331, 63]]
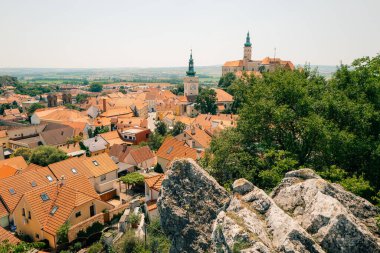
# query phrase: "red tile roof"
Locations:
[[141, 154], [172, 148]]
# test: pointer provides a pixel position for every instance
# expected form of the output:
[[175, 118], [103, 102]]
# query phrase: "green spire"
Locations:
[[248, 41], [191, 71]]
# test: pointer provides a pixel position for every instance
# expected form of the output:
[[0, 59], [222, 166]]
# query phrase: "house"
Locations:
[[195, 138], [223, 100], [43, 210], [72, 150], [18, 163], [152, 189], [100, 170], [141, 157], [58, 115], [57, 137], [172, 149], [113, 138], [12, 188], [134, 135], [118, 154], [96, 145], [215, 123]]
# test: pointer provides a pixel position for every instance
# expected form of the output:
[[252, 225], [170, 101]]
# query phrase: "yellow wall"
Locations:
[[85, 211]]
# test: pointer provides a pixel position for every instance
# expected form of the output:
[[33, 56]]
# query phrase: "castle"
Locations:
[[254, 66]]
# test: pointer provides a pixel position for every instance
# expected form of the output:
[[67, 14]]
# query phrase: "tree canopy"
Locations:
[[33, 107], [45, 155], [206, 101], [226, 80], [303, 120], [96, 87]]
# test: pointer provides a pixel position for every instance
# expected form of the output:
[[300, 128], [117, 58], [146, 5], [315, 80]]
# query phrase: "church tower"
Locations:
[[247, 49], [191, 82]]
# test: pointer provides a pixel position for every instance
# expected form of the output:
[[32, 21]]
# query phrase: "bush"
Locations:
[[132, 244], [95, 248], [62, 233], [134, 218]]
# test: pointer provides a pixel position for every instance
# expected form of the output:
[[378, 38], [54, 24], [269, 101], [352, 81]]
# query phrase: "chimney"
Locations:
[[192, 131], [96, 138], [104, 104], [62, 181]]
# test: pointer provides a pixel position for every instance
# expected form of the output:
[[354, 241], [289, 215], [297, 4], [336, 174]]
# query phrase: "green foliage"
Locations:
[[32, 108], [24, 152], [155, 141], [81, 98], [22, 247], [178, 89], [178, 128], [239, 245], [161, 128], [317, 122], [101, 130], [95, 248], [96, 87], [62, 233], [45, 155], [226, 80], [8, 81], [133, 244], [134, 218], [9, 106], [96, 227], [132, 178], [206, 101], [158, 168]]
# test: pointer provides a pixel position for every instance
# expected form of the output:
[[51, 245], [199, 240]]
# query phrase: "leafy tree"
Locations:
[[161, 128], [226, 80], [24, 152], [132, 179], [155, 141], [6, 247], [33, 107], [206, 101], [86, 82], [81, 98], [96, 87], [45, 155], [178, 128], [62, 233]]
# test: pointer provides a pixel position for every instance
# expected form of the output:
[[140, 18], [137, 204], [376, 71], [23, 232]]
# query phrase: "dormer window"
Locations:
[[74, 171], [50, 178], [12, 191], [44, 197]]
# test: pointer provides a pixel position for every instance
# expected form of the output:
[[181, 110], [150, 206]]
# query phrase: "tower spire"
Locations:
[[248, 41], [191, 71]]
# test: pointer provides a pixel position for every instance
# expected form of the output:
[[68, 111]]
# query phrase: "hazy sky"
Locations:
[[144, 33]]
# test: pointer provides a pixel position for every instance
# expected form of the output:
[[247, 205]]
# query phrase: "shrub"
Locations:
[[134, 218], [95, 248]]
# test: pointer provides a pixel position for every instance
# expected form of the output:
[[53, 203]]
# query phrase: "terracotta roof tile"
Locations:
[[5, 235], [17, 162], [141, 154], [7, 171], [238, 63], [65, 168], [172, 148], [223, 96], [100, 164], [155, 182]]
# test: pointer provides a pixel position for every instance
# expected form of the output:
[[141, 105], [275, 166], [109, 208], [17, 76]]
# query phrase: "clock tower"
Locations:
[[190, 81]]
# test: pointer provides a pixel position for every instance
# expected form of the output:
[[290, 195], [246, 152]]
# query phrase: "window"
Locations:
[[103, 177], [53, 210], [74, 171], [33, 184], [50, 178], [12, 191], [78, 214], [44, 197], [37, 236], [95, 163], [170, 150], [29, 215], [23, 212]]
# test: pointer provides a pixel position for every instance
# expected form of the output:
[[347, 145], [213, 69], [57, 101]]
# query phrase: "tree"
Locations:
[[206, 101], [80, 98], [226, 80], [33, 107], [24, 152], [161, 128], [86, 82], [132, 179], [8, 81], [178, 128], [62, 233], [45, 155], [155, 141], [96, 87]]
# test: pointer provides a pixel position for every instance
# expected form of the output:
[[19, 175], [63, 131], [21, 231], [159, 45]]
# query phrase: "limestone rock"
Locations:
[[189, 201], [303, 214]]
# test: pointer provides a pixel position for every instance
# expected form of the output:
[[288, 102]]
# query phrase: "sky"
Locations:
[[160, 33]]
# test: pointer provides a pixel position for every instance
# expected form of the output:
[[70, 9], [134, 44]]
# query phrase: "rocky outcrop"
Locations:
[[189, 201], [303, 214]]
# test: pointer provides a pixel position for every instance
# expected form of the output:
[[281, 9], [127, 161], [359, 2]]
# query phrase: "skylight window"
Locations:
[[53, 210], [33, 184], [95, 163], [12, 191], [170, 150], [44, 197], [50, 178], [73, 170]]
